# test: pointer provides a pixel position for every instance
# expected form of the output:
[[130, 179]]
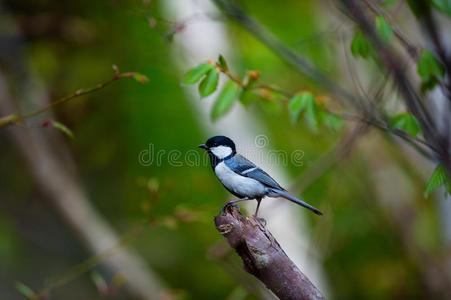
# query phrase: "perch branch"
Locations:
[[263, 257]]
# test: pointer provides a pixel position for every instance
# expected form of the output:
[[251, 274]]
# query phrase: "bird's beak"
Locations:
[[203, 146]]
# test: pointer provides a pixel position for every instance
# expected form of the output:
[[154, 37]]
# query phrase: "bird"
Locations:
[[243, 178]]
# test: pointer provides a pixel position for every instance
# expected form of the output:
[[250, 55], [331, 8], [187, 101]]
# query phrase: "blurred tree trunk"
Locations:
[[50, 164]]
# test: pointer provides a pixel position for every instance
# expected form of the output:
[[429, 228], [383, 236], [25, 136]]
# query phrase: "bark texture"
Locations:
[[263, 257]]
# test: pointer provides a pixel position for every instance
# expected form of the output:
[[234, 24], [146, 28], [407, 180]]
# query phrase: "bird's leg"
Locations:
[[231, 203], [258, 206], [256, 211]]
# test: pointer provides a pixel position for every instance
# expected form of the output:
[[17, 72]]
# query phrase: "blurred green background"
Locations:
[[367, 250]]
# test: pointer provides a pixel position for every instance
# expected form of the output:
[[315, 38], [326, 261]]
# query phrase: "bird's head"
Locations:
[[220, 146]]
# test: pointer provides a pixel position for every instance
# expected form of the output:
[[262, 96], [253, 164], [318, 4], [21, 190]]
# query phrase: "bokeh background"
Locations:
[[380, 237]]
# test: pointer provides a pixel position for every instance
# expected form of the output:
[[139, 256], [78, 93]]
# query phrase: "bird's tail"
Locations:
[[295, 200]]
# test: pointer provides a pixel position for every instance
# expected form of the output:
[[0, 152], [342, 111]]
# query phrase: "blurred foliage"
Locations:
[[72, 44]]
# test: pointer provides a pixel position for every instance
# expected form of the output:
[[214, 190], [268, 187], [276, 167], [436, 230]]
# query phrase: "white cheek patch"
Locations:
[[221, 151]]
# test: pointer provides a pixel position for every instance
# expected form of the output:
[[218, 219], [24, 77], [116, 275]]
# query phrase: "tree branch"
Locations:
[[345, 98], [57, 181], [16, 118], [300, 64], [392, 63], [409, 46], [263, 257]]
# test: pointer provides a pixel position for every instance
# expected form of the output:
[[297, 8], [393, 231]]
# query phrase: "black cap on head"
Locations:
[[220, 140]]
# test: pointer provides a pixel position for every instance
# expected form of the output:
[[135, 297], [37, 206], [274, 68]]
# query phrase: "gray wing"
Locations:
[[244, 167]]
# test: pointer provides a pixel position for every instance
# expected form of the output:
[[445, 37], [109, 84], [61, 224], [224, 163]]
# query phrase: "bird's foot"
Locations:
[[261, 220], [226, 205]]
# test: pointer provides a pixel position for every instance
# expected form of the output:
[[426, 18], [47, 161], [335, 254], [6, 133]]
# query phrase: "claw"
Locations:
[[236, 206], [228, 204], [231, 203], [221, 212], [262, 220]]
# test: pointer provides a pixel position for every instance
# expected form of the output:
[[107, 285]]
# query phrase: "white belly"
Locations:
[[241, 185]]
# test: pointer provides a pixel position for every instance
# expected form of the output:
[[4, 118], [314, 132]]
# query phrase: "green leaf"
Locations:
[[429, 66], [443, 6], [195, 74], [209, 84], [25, 290], [312, 114], [225, 99], [428, 85], [63, 128], [384, 30], [246, 97], [272, 106], [429, 69], [330, 120], [298, 103], [141, 78], [406, 122], [99, 281], [305, 101], [58, 126], [223, 63], [359, 45], [9, 119], [438, 178]]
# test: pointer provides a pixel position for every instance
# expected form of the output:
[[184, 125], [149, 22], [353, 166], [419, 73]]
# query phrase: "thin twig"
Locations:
[[272, 42], [392, 63], [408, 45], [238, 81], [67, 197], [413, 141], [445, 84], [17, 118], [346, 99]]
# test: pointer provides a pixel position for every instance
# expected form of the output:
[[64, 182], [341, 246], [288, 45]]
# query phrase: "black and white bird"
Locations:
[[243, 178]]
